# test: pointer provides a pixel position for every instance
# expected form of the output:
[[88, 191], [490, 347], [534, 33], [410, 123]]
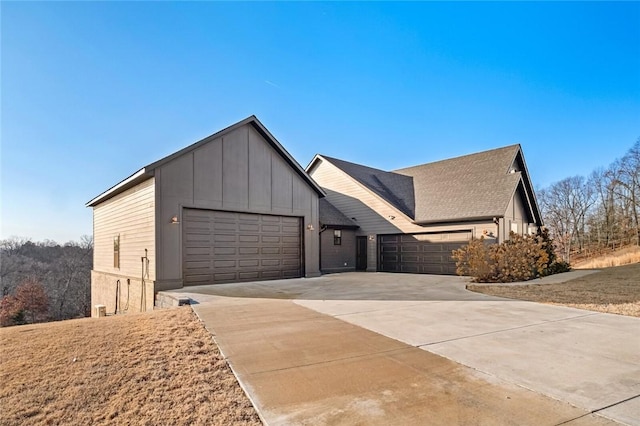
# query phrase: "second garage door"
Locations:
[[420, 253], [224, 247]]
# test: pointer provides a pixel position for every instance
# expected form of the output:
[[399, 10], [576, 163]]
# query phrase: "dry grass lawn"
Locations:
[[621, 257], [139, 369], [615, 290]]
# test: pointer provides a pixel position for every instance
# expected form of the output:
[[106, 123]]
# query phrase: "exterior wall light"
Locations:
[[174, 220], [310, 227]]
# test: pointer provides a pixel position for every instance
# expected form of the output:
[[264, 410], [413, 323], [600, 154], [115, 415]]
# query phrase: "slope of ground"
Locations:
[[143, 369], [615, 290], [620, 257]]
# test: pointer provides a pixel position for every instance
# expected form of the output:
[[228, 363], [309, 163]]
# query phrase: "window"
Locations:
[[337, 237], [116, 252]]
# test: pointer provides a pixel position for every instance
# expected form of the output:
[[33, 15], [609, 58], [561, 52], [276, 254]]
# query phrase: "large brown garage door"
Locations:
[[224, 247], [420, 253]]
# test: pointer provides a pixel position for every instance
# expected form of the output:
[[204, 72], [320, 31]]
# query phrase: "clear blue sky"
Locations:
[[91, 92]]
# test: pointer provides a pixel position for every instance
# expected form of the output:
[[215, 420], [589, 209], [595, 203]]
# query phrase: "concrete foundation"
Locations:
[[130, 297]]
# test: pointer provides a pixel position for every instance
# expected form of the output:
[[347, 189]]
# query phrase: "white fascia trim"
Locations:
[[114, 188]]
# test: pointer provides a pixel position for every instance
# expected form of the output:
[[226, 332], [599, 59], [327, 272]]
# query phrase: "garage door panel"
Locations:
[[222, 247], [223, 277], [224, 250], [270, 239], [249, 227], [277, 219], [248, 276], [270, 250], [421, 253], [204, 251], [220, 264], [196, 280]]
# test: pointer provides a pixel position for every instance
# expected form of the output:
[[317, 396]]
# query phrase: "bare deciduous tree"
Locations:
[[565, 205], [600, 213], [63, 271]]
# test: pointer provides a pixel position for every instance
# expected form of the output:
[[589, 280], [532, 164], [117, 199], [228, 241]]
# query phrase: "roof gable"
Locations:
[[147, 171], [469, 187], [331, 216], [394, 188]]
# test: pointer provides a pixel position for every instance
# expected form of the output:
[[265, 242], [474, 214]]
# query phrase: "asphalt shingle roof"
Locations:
[[472, 186], [395, 188], [331, 216]]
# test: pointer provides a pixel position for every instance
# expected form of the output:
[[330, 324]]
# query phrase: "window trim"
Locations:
[[337, 237], [116, 251]]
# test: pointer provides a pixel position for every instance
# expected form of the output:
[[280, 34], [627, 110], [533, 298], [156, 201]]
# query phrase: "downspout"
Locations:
[[322, 229], [496, 221]]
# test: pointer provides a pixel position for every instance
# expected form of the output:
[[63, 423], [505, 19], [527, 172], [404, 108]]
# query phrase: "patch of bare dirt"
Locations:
[[138, 369], [614, 290]]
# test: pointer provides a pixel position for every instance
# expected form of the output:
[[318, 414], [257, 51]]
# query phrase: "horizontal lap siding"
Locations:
[[130, 215], [353, 200]]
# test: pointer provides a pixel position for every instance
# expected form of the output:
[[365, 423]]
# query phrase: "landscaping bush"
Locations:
[[474, 260], [554, 266], [520, 258]]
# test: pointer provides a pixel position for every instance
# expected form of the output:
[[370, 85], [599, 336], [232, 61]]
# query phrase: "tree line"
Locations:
[[44, 281], [598, 213]]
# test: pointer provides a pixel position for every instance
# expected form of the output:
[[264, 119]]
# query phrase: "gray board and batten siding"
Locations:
[[337, 240], [237, 173]]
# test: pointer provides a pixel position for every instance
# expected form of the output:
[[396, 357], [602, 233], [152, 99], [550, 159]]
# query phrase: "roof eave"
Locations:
[[340, 226], [147, 171], [529, 189], [259, 127], [288, 158], [458, 219], [136, 178]]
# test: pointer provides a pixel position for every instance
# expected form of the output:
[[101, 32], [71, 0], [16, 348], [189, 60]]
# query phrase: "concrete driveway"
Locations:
[[586, 359]]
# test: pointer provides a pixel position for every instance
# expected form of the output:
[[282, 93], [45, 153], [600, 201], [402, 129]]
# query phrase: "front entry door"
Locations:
[[361, 254]]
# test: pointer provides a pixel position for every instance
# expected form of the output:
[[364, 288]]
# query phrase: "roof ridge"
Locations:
[[504, 148], [354, 164]]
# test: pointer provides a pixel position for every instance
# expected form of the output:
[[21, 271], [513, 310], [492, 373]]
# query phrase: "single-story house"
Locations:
[[236, 206], [409, 220], [232, 207]]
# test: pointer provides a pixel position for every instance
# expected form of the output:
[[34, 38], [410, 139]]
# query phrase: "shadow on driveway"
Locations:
[[350, 286]]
